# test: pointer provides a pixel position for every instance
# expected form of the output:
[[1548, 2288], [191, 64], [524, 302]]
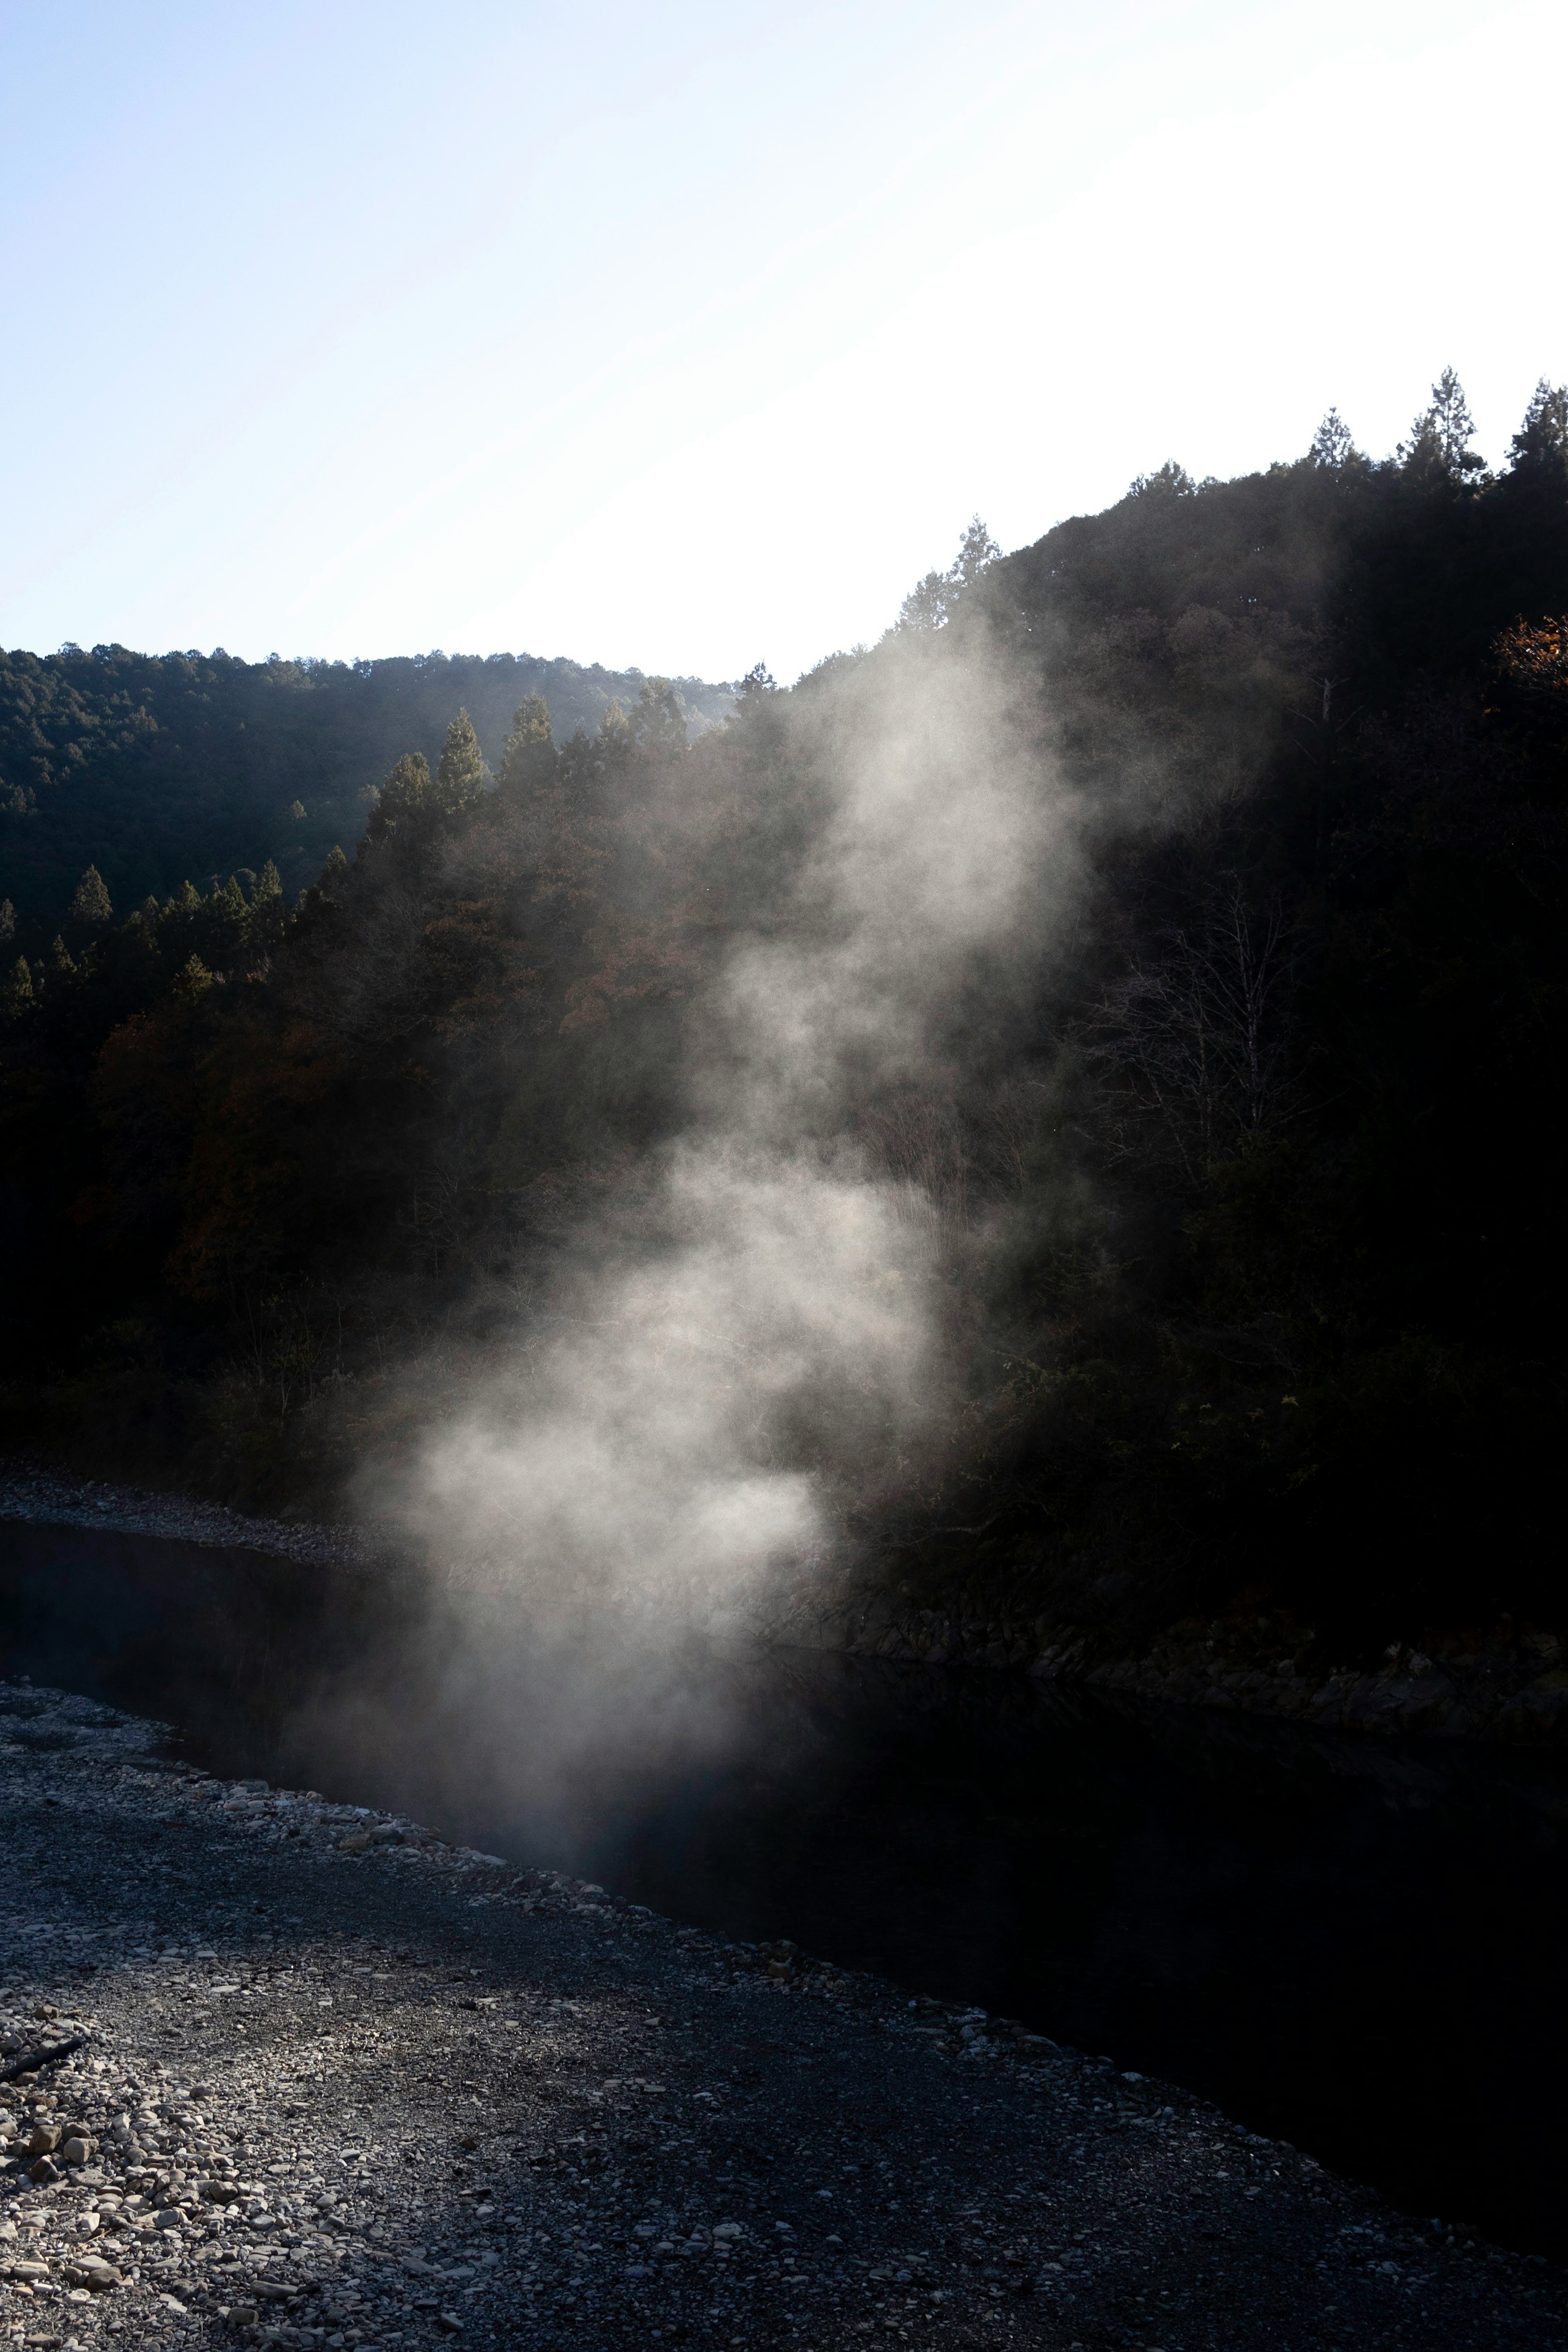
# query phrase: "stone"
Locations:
[[43, 2139], [94, 2271], [45, 2170]]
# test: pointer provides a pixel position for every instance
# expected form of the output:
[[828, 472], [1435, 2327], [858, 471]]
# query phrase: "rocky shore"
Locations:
[[295, 2073], [1512, 1692], [30, 1491], [1508, 1686]]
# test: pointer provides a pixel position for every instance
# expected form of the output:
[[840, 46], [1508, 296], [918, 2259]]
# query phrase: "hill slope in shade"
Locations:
[[162, 768]]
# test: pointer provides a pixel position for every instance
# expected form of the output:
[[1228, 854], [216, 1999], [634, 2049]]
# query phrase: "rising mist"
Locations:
[[755, 1349]]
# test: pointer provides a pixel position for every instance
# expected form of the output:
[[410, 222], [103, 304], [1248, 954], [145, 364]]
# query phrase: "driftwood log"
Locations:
[[31, 2060]]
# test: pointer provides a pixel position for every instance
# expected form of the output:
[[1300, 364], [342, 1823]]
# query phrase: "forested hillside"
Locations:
[[157, 768], [1246, 1173]]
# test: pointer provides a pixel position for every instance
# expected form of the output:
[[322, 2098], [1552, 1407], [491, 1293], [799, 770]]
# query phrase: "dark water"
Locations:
[[1351, 1945]]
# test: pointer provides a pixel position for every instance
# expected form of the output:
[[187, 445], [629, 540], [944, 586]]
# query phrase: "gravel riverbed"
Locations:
[[33, 1492], [335, 2082]]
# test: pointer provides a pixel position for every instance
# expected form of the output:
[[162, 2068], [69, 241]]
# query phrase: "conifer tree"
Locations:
[[978, 550], [1438, 448], [226, 922], [1451, 413], [191, 980], [7, 921], [659, 723], [1170, 480], [528, 758], [1540, 445], [1333, 447], [91, 903], [460, 778], [269, 918], [930, 603], [404, 796], [925, 606], [18, 989], [614, 739]]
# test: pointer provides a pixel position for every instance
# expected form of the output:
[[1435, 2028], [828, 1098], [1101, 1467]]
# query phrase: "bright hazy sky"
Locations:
[[688, 335]]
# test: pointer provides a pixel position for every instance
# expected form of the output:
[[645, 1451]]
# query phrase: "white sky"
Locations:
[[692, 335]]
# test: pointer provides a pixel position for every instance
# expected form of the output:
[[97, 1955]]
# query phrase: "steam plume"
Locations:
[[767, 1343]]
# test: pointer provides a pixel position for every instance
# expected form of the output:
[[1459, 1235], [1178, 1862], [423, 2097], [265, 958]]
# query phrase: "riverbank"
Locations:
[[340, 2083], [1504, 1684], [31, 1491]]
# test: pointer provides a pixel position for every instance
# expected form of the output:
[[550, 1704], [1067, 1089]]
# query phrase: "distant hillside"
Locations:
[[162, 768]]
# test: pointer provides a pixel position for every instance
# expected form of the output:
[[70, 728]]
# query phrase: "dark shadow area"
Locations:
[[1349, 1944]]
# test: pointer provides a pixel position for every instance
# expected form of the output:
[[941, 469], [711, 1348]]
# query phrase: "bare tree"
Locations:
[[919, 1142], [1192, 1047]]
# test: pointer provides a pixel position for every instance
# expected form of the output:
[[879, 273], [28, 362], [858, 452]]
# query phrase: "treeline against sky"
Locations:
[[154, 768], [1249, 1203]]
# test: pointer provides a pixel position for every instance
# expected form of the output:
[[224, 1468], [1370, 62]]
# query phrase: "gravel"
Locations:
[[339, 2083], [30, 1491]]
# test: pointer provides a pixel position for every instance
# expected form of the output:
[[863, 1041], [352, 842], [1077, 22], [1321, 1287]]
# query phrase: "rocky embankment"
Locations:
[[296, 2072], [1514, 1692], [1505, 1686]]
